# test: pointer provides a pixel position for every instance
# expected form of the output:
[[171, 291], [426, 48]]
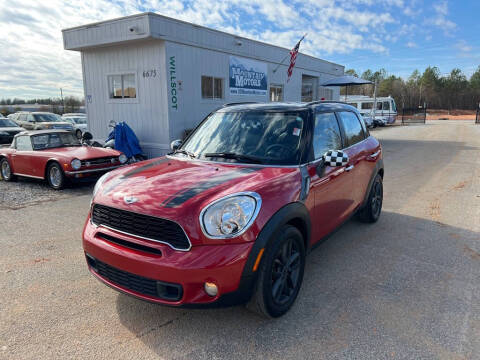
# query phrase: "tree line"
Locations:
[[448, 92], [56, 105]]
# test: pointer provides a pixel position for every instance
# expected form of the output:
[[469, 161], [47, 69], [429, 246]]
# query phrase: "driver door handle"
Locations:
[[349, 168]]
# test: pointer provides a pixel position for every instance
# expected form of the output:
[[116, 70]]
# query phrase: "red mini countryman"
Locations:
[[230, 215], [57, 156]]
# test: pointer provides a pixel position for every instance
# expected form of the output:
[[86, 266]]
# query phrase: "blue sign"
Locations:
[[247, 77]]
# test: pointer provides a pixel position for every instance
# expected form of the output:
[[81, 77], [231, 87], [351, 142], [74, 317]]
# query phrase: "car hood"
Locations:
[[83, 152], [11, 129], [179, 189]]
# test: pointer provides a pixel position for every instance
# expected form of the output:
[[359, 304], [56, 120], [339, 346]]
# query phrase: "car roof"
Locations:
[[287, 106], [40, 132]]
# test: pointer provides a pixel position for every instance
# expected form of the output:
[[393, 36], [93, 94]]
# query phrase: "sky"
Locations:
[[398, 35]]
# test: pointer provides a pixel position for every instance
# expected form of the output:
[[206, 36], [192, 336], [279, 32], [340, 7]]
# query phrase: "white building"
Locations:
[[163, 76]]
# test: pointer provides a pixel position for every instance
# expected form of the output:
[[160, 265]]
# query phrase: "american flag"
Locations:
[[293, 57]]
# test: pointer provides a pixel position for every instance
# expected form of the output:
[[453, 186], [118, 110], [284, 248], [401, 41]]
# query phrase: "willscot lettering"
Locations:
[[173, 83]]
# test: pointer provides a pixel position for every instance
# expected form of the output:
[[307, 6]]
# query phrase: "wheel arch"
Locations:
[[47, 164], [295, 214], [378, 170]]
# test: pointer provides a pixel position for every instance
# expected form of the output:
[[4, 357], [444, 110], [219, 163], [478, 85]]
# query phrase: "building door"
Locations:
[[309, 88]]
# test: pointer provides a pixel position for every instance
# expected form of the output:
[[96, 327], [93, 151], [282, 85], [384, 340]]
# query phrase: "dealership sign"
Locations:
[[247, 77]]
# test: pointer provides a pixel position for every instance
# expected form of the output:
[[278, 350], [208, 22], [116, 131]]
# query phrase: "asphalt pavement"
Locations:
[[407, 287]]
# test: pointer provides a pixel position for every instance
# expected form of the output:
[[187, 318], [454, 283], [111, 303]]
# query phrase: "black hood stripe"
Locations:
[[145, 167], [114, 183], [183, 195]]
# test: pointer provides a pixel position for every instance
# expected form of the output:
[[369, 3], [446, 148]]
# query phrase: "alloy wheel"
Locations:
[[6, 170], [377, 199], [285, 272], [55, 176]]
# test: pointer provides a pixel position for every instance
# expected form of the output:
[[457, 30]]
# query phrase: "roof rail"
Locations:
[[239, 103], [326, 102]]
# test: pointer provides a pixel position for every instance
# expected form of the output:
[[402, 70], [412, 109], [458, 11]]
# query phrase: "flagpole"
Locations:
[[286, 56], [281, 63]]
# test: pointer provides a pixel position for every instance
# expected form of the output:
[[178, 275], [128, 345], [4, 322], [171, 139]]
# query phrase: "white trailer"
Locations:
[[163, 76], [384, 112]]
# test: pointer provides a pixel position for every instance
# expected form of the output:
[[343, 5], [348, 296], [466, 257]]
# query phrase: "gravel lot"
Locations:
[[407, 287], [25, 192]]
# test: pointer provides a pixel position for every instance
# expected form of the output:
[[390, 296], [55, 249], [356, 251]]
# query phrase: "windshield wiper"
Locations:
[[185, 152], [230, 155]]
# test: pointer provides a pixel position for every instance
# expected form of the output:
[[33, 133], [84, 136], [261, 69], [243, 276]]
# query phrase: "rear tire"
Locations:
[[373, 207], [55, 176], [280, 274], [6, 170]]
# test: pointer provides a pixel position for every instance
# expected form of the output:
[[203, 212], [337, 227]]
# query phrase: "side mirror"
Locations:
[[335, 158], [87, 136], [175, 144]]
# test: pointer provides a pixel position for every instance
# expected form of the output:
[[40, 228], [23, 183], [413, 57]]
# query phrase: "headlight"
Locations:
[[122, 158], [230, 216], [76, 164], [99, 183]]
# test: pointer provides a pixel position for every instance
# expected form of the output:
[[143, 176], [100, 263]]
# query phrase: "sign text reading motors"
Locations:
[[247, 77]]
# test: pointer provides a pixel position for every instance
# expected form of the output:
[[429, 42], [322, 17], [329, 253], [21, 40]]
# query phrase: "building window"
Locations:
[[212, 87], [122, 86], [367, 105], [276, 92]]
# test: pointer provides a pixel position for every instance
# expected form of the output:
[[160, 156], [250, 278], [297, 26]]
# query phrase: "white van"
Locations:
[[385, 113]]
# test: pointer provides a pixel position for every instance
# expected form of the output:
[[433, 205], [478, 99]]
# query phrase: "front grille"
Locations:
[[128, 244], [100, 161], [143, 226], [137, 283]]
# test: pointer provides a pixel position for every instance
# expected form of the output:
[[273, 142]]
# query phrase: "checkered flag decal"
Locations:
[[336, 158]]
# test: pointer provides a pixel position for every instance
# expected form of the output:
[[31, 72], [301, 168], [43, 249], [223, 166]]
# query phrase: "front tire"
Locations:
[[280, 274], [6, 170], [55, 176], [373, 207]]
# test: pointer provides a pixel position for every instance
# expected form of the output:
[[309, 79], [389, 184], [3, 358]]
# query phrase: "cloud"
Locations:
[[411, 45], [463, 46], [440, 17], [35, 64]]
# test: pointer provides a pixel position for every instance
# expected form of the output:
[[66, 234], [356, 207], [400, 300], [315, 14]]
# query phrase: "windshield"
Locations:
[[54, 140], [7, 123], [46, 118], [267, 137], [78, 120]]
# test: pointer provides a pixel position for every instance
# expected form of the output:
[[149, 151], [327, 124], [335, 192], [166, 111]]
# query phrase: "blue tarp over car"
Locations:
[[125, 140]]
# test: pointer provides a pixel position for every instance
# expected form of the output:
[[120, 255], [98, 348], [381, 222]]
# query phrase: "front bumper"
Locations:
[[135, 266], [91, 172]]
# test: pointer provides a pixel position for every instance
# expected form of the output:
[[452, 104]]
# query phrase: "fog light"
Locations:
[[211, 289]]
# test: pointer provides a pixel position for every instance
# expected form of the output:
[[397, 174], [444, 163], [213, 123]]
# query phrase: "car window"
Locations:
[[30, 118], [24, 143], [352, 127], [326, 134], [386, 105], [45, 117], [22, 117], [367, 105], [379, 105], [274, 137], [54, 140], [7, 123]]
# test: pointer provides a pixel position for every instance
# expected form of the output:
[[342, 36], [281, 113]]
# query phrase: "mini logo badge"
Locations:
[[129, 199]]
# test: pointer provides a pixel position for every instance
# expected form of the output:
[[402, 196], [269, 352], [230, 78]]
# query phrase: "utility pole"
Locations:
[[374, 100], [63, 103]]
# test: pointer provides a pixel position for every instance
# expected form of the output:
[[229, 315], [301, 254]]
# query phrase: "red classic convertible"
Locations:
[[55, 155]]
